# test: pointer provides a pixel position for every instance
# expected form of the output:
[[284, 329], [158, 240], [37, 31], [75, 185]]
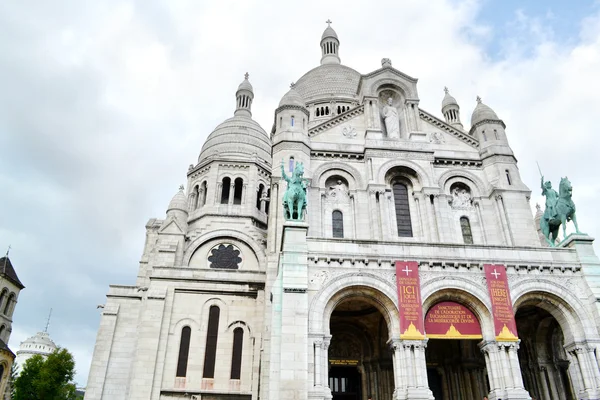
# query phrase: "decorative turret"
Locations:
[[244, 97], [330, 46], [291, 115], [451, 110], [178, 207], [489, 130]]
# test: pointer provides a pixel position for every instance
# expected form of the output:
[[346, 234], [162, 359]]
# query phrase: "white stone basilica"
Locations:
[[234, 302]]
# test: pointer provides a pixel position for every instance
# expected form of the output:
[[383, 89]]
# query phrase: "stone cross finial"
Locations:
[[386, 62], [446, 89], [478, 99], [292, 85], [328, 22], [246, 75], [180, 187]]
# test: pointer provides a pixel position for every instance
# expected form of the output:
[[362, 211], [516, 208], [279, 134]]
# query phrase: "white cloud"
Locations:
[[103, 105]]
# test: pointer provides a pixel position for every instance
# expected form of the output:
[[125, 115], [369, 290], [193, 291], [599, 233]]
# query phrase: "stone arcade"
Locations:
[[234, 301]]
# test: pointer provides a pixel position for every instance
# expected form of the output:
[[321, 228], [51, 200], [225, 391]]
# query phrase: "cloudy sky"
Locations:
[[104, 104]]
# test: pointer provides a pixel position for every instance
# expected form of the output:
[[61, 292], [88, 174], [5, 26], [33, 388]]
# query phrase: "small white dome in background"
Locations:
[[39, 344], [448, 99]]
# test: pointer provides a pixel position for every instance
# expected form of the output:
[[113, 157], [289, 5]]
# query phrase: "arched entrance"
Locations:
[[542, 357], [360, 361], [456, 366]]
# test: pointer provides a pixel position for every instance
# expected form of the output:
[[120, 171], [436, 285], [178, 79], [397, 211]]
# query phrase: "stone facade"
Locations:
[[234, 302]]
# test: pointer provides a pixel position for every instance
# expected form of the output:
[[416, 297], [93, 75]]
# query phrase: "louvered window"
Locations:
[[236, 357], [402, 210], [184, 351], [211, 342], [338, 224]]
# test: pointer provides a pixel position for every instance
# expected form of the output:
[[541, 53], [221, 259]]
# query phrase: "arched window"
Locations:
[[236, 356], [508, 177], [195, 197], [280, 122], [2, 329], [303, 123], [211, 342], [237, 191], [225, 190], [9, 302], [338, 224], [484, 136], [292, 120], [465, 227], [496, 134], [259, 195], [184, 351], [1, 372], [403, 222], [203, 194], [318, 114], [291, 164], [3, 296], [339, 109], [327, 110]]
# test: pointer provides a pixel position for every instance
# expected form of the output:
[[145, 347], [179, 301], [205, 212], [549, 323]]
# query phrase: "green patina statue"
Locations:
[[559, 209], [294, 198]]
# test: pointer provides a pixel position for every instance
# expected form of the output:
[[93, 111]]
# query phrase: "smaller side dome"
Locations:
[[292, 98], [244, 97], [246, 85], [482, 112], [448, 99], [329, 32], [179, 202]]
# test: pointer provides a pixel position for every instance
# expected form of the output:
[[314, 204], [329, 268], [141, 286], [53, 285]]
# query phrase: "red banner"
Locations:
[[450, 320], [409, 300], [504, 317]]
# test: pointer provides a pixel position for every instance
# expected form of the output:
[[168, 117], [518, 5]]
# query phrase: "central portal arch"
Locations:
[[360, 320]]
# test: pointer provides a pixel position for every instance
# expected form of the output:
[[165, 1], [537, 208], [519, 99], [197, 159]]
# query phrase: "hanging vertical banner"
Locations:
[[409, 300], [504, 317]]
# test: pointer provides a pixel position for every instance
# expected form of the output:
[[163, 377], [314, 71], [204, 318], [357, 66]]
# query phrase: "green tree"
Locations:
[[49, 379]]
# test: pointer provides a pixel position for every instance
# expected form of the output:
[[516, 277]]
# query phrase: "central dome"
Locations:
[[328, 80]]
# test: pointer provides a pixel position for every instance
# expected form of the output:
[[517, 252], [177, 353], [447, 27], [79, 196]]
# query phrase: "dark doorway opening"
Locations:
[[456, 369], [544, 362], [344, 383]]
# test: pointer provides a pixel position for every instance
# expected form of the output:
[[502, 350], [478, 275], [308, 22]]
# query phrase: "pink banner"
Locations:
[[504, 317], [409, 300]]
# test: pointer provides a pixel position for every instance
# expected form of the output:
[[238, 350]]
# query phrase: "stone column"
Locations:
[[325, 370], [504, 370], [481, 222], [438, 217], [416, 372], [374, 215], [244, 191], [418, 196], [354, 216], [432, 220], [218, 193], [581, 354], [192, 202], [318, 360]]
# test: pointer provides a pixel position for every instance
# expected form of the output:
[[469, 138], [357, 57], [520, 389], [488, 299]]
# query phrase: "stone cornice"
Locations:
[[444, 161], [471, 141], [337, 120], [487, 121]]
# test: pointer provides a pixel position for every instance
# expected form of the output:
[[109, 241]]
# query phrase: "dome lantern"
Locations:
[[330, 46], [244, 96], [451, 110]]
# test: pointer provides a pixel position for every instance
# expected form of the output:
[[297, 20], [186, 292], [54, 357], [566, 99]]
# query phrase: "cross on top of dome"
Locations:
[[328, 22]]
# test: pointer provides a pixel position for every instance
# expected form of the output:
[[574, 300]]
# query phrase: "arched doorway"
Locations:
[[456, 366], [360, 361], [542, 357]]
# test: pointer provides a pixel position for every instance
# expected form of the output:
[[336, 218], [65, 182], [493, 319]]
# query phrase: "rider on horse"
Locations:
[[551, 200]]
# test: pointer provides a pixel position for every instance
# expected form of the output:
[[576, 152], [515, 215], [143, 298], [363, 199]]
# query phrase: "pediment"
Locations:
[[371, 82], [171, 227], [430, 124], [345, 125]]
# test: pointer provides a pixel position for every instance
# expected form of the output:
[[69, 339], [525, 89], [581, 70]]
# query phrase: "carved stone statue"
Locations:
[[559, 210], [390, 116], [294, 198], [461, 198], [339, 190]]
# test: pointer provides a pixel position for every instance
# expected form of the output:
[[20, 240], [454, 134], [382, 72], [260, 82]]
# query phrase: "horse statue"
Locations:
[[294, 198], [559, 210]]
